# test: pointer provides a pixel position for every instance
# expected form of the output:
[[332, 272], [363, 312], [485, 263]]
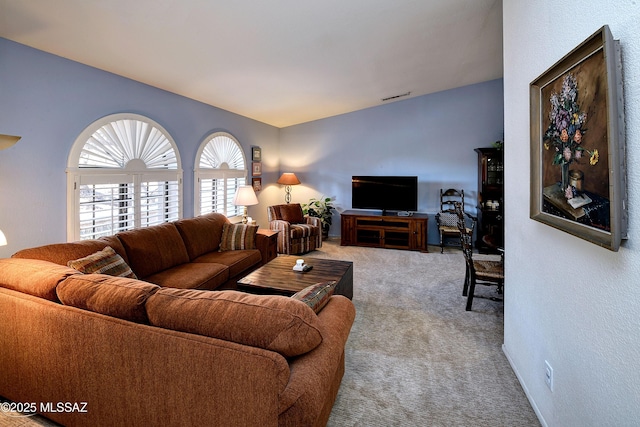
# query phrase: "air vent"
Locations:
[[389, 98]]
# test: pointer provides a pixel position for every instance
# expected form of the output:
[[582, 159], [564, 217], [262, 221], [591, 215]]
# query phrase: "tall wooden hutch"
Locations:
[[490, 199]]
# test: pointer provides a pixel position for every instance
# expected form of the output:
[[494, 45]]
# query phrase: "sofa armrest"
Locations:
[[284, 235], [280, 225], [319, 372], [312, 220]]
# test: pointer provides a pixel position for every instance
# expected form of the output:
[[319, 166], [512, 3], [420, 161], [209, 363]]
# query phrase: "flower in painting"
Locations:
[[577, 137], [566, 131], [566, 124]]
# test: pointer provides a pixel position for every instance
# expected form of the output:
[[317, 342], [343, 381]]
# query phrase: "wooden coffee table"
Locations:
[[278, 277]]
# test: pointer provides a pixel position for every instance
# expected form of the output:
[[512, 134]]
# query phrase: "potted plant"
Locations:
[[320, 208]]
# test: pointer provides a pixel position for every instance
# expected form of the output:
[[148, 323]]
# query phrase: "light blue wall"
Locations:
[[49, 100], [431, 136]]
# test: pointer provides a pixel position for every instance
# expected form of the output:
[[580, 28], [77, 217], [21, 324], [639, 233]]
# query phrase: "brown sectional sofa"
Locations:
[[161, 350], [180, 254]]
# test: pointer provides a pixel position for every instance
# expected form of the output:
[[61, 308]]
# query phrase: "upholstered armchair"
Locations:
[[298, 234]]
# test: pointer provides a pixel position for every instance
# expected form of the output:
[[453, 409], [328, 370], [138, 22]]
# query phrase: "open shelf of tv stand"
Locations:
[[371, 228]]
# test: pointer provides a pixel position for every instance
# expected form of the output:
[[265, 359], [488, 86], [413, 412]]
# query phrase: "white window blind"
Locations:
[[220, 170], [123, 173], [159, 202], [105, 209]]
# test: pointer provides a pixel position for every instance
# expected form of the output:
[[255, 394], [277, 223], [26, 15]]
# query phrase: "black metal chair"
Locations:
[[478, 272], [446, 219]]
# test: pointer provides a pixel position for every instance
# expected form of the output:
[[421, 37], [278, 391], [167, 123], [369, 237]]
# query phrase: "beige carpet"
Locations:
[[415, 357]]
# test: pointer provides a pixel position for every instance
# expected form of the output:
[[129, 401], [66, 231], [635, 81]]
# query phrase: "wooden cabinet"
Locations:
[[490, 199], [366, 228]]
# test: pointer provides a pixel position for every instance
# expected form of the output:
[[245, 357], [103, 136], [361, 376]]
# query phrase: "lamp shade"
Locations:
[[3, 240], [7, 141], [245, 196], [288, 178]]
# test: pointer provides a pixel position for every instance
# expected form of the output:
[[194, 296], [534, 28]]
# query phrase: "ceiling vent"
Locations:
[[389, 98]]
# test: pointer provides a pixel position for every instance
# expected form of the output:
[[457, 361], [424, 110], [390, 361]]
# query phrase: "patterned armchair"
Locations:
[[298, 233]]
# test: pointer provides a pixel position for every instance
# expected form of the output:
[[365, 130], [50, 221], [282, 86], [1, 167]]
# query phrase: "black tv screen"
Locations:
[[386, 193]]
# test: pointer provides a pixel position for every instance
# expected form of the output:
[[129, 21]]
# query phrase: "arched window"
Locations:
[[123, 172], [219, 170]]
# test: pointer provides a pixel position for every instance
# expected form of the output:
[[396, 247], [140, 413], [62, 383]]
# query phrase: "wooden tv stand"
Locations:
[[370, 228]]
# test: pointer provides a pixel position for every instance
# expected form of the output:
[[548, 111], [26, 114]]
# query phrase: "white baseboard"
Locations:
[[524, 387]]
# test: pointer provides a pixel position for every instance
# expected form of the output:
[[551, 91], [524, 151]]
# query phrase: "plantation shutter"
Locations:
[[123, 173]]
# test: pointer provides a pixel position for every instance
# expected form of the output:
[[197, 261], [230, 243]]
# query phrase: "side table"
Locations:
[[268, 246]]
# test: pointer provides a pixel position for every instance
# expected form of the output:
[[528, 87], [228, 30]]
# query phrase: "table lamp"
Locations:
[[7, 141], [288, 179], [3, 240], [245, 196]]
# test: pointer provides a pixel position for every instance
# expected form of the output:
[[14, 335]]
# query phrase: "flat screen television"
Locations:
[[386, 193]]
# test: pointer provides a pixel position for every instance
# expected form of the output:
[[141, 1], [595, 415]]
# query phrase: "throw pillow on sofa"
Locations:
[[272, 322], [238, 236], [106, 261], [316, 296]]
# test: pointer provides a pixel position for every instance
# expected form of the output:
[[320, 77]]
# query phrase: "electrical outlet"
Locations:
[[548, 375]]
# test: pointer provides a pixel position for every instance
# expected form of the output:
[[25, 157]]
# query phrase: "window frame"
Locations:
[[223, 172], [135, 172]]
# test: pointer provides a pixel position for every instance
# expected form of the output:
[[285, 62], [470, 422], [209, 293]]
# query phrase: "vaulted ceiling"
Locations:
[[281, 62]]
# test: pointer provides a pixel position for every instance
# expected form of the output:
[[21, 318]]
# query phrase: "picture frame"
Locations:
[[256, 183], [256, 154], [256, 168], [578, 161]]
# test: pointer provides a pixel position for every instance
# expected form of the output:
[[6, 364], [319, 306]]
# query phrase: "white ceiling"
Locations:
[[281, 62]]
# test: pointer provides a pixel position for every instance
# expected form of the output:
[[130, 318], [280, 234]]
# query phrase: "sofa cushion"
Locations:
[[316, 296], [61, 253], [201, 234], [238, 236], [292, 213], [154, 249], [33, 276], [106, 261], [239, 261], [192, 276], [272, 322], [119, 297]]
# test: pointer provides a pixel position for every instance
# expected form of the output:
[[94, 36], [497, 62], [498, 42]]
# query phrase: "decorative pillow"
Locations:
[[238, 236], [292, 213], [272, 322], [316, 296], [106, 261], [119, 297]]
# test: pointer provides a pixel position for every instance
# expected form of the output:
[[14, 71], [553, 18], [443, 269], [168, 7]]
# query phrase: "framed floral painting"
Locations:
[[578, 144]]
